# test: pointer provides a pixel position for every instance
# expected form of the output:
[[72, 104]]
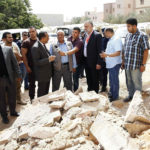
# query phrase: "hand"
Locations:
[[122, 66], [103, 55], [74, 70], [52, 58], [98, 67], [19, 79], [62, 53], [29, 70], [142, 68]]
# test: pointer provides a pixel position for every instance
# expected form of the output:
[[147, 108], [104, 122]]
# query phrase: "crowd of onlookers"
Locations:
[[29, 60]]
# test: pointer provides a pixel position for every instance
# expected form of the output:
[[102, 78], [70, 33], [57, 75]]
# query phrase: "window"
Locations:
[[142, 2], [141, 11], [129, 5], [118, 6]]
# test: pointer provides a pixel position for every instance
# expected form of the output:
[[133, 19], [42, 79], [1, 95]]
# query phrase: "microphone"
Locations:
[[57, 48]]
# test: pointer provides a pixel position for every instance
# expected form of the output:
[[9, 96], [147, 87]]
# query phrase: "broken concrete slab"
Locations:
[[7, 135], [56, 115], [72, 112], [53, 96], [12, 145], [109, 135], [57, 95], [89, 96], [72, 100], [23, 132], [57, 104], [87, 112], [32, 115], [137, 110], [43, 132]]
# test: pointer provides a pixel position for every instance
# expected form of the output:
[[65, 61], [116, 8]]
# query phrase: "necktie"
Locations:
[[46, 50]]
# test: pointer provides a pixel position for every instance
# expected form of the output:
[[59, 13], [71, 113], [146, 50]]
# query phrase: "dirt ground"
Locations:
[[119, 104]]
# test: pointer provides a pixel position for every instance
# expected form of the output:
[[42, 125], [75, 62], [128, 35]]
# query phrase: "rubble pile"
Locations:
[[82, 121]]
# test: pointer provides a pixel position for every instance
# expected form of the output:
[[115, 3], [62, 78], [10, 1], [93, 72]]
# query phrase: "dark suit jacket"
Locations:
[[11, 63], [42, 66], [94, 48]]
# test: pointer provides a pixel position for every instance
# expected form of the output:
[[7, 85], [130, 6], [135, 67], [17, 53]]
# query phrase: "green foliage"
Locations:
[[78, 20], [119, 19], [17, 14]]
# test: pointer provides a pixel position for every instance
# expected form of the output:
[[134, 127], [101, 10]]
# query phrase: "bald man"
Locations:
[[63, 65]]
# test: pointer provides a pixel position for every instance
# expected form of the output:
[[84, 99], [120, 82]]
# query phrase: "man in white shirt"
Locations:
[[113, 62]]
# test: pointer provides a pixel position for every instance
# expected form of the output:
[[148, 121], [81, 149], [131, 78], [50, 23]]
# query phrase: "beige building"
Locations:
[[141, 5], [95, 16], [125, 7]]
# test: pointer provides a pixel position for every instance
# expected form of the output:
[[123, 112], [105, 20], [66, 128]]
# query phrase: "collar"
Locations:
[[112, 37], [75, 39], [41, 43], [90, 33], [61, 43], [136, 33]]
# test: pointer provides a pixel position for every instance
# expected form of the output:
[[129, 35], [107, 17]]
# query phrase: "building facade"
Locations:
[[94, 16], [125, 7]]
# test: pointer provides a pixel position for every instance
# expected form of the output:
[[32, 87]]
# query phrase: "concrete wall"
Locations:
[[52, 19], [95, 16], [125, 7], [141, 7]]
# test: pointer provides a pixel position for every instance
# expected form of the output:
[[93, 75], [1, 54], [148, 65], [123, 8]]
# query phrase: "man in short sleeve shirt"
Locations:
[[135, 54]]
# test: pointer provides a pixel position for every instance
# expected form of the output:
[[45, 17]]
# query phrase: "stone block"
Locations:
[[137, 110], [72, 100], [43, 132], [89, 96]]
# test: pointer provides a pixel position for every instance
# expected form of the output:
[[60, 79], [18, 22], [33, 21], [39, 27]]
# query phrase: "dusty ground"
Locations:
[[119, 104]]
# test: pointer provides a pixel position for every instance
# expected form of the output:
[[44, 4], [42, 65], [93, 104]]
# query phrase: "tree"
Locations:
[[78, 20], [17, 14], [119, 19]]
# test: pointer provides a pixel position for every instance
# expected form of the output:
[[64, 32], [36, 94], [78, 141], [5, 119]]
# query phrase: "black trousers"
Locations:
[[43, 88], [92, 76], [31, 80], [103, 76], [6, 87]]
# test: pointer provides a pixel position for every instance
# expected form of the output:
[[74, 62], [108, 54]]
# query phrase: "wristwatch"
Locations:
[[144, 65]]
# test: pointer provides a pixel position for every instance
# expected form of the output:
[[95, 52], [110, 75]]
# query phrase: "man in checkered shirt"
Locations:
[[135, 56]]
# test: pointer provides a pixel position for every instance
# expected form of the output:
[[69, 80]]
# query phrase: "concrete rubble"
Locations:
[[137, 118], [82, 121]]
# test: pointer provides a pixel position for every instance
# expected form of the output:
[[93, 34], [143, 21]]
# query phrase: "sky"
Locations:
[[70, 8]]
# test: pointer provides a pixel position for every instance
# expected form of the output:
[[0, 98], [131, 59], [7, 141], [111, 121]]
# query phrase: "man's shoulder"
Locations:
[[97, 34], [27, 40], [8, 48], [117, 39]]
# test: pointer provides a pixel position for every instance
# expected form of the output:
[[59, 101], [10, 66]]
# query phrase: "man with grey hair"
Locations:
[[93, 62], [63, 65]]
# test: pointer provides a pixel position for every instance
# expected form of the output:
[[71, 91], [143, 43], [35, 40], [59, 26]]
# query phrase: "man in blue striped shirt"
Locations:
[[135, 56]]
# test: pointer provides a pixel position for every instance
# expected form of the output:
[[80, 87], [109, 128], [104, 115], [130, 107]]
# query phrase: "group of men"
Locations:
[[68, 57]]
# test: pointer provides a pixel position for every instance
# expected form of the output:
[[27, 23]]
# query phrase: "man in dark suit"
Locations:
[[93, 62], [42, 62], [9, 70]]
